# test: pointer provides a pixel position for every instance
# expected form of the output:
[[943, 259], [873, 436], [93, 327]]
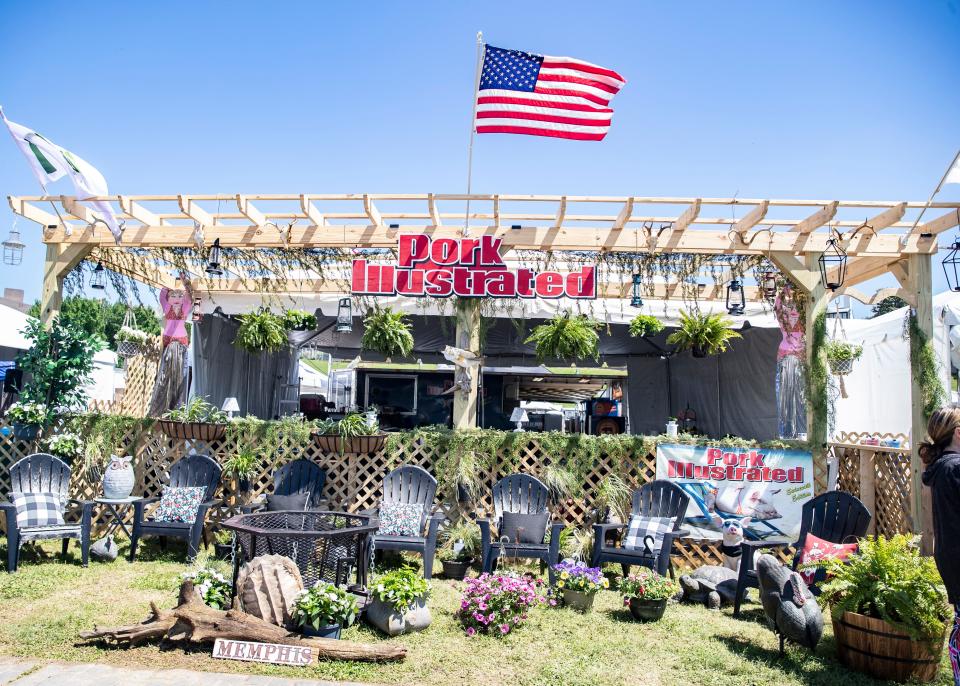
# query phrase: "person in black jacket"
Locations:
[[941, 455]]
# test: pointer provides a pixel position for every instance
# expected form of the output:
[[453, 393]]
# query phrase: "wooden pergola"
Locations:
[[879, 237]]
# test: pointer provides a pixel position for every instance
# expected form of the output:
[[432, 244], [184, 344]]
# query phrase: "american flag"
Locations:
[[538, 95]]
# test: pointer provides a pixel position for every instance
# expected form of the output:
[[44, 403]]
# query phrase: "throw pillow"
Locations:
[[816, 549], [524, 528], [400, 519], [179, 504], [38, 509], [647, 533], [295, 501]]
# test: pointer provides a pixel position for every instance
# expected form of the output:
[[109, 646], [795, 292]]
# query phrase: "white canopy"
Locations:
[[12, 321]]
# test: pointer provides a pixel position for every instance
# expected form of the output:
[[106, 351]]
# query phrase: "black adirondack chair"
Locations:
[[410, 484], [522, 494], [656, 499], [298, 476], [192, 470], [836, 516], [43, 473]]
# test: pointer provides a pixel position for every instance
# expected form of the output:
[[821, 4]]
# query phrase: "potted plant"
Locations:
[[645, 325], [703, 334], [214, 590], [196, 420], [889, 609], [497, 604], [130, 341], [28, 419], [324, 610], [646, 594], [261, 331], [66, 445], [459, 546], [387, 332], [399, 602], [579, 584], [242, 466], [672, 427], [566, 337], [353, 434], [841, 356], [298, 320], [223, 544]]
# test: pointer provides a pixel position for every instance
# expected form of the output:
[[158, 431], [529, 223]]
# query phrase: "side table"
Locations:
[[112, 506]]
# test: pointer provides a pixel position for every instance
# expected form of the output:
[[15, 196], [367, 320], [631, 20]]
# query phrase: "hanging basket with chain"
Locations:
[[841, 354], [131, 341]]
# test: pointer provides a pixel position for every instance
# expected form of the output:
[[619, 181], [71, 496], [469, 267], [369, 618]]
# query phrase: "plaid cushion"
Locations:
[[39, 509], [400, 519], [179, 504], [643, 527]]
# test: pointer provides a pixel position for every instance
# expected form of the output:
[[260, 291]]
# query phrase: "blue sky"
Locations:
[[852, 100]]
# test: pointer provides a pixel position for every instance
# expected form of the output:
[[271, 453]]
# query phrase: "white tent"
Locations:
[[312, 381], [878, 389], [12, 321]]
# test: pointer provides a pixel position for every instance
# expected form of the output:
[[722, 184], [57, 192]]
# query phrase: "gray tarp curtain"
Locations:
[[222, 370]]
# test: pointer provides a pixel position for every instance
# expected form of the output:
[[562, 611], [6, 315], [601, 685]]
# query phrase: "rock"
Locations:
[[791, 610], [711, 585], [267, 587]]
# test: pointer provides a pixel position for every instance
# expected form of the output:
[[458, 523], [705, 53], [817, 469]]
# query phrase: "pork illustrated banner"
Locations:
[[769, 486]]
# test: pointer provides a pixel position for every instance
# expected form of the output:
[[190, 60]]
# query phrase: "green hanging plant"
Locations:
[[645, 325], [298, 320], [704, 334], [923, 361], [261, 331], [387, 332], [566, 337], [841, 355]]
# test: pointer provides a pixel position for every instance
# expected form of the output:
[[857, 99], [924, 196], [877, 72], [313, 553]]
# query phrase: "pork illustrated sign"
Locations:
[[464, 267], [768, 486]]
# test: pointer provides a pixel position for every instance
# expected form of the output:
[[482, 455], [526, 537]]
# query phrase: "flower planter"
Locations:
[[26, 432], [698, 351], [128, 349], [325, 631], [672, 429], [644, 610], [840, 367], [390, 621], [578, 600], [456, 569], [194, 431], [874, 647], [330, 443]]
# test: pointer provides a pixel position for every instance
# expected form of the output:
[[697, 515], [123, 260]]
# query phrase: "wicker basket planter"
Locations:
[[128, 349], [359, 445], [194, 431], [840, 367], [874, 647]]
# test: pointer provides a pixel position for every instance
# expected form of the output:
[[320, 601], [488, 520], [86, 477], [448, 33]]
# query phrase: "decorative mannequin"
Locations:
[[791, 379], [170, 389]]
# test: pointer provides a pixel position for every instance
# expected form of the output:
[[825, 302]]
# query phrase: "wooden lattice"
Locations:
[[141, 373], [881, 478]]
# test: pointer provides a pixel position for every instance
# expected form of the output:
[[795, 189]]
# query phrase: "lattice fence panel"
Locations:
[[893, 489]]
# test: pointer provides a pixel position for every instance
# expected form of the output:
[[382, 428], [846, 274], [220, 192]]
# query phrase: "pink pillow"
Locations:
[[816, 549]]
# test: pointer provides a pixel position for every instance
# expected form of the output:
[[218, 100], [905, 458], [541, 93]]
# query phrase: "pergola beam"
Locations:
[[817, 219], [311, 212], [248, 210], [138, 212], [189, 207], [434, 212], [625, 214], [942, 223], [687, 218], [887, 217], [561, 213], [372, 212], [752, 218]]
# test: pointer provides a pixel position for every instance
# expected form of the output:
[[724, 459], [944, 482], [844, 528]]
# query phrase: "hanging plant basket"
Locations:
[[194, 431], [354, 445], [840, 367], [131, 341], [841, 356], [128, 349]]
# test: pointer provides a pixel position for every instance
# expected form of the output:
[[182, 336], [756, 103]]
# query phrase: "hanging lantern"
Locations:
[[768, 283], [833, 258], [99, 280], [344, 316], [197, 314], [13, 248], [736, 297], [213, 260], [950, 266], [636, 300]]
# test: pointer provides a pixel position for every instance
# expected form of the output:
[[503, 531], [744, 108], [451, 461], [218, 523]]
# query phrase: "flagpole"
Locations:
[[481, 49], [939, 186]]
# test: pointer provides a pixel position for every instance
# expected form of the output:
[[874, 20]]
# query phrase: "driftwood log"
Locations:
[[194, 622]]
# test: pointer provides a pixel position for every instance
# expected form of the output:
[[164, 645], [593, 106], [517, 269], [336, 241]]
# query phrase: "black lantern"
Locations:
[[950, 265], [344, 316], [213, 260], [13, 248], [833, 265], [99, 280], [736, 297], [768, 283], [636, 300]]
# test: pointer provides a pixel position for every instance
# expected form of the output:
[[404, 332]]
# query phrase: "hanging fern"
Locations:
[[566, 337], [261, 331], [645, 325], [923, 361], [387, 332], [705, 334]]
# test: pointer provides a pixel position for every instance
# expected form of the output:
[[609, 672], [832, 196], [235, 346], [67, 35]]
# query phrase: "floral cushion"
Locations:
[[816, 549], [179, 504], [400, 519]]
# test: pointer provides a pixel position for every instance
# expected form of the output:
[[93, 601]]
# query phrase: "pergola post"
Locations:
[[60, 260], [920, 287], [468, 338], [817, 301]]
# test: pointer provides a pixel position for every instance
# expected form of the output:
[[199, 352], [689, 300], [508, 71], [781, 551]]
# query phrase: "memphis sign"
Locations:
[[274, 653], [467, 268]]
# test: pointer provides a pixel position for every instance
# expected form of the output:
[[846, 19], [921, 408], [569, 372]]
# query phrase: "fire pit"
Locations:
[[326, 546]]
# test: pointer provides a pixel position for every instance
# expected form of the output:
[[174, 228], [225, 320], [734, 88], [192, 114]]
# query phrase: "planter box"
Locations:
[[647, 610], [25, 432], [578, 600], [385, 617], [874, 647], [194, 431], [326, 631], [356, 445], [456, 569]]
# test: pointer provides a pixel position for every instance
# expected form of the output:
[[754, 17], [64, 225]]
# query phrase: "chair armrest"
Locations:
[[671, 536], [485, 535], [601, 530], [86, 507], [252, 507], [758, 545], [10, 512]]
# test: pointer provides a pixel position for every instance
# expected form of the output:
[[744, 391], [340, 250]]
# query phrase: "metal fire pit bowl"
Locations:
[[326, 546]]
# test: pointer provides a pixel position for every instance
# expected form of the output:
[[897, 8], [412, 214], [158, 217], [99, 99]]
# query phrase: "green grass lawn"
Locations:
[[47, 603]]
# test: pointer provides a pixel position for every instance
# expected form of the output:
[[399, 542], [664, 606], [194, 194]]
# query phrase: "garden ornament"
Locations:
[[104, 550], [732, 546], [466, 363], [711, 585], [792, 611]]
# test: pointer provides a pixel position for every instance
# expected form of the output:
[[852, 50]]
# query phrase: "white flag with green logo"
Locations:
[[50, 162]]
